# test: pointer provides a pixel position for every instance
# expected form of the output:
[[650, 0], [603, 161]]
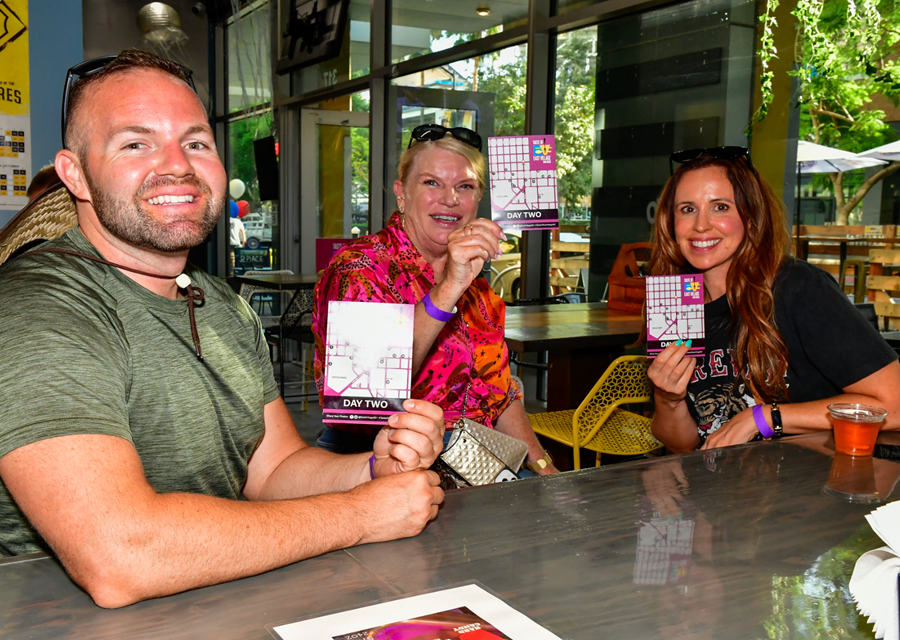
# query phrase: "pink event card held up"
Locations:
[[368, 361], [675, 312]]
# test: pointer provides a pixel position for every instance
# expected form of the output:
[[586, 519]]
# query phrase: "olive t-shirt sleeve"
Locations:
[[83, 390]]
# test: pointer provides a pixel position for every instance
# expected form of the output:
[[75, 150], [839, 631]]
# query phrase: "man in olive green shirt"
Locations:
[[144, 467]]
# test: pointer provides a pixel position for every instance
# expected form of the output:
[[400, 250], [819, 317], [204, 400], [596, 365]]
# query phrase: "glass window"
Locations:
[[351, 61], [576, 77], [249, 57], [414, 29], [485, 93], [254, 231], [680, 77]]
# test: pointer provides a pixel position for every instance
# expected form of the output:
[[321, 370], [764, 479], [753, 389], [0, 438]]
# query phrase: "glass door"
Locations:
[[334, 184]]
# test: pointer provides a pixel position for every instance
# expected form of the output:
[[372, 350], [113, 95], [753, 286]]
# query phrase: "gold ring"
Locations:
[[468, 229]]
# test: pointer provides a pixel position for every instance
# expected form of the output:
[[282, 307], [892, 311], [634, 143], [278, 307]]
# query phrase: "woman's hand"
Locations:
[[670, 372], [740, 429], [468, 248]]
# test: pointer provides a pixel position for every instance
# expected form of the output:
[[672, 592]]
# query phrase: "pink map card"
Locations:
[[368, 361], [523, 182], [466, 612], [675, 312]]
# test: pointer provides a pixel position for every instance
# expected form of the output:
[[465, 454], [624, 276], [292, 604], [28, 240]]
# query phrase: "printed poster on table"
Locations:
[[15, 110], [368, 361], [468, 612], [523, 182]]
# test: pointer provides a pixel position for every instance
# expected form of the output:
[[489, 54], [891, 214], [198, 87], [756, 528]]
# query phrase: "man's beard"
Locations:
[[131, 222]]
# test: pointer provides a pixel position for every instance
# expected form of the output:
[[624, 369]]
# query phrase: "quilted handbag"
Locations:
[[476, 455]]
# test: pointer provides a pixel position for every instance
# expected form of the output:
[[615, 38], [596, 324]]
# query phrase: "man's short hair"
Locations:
[[127, 60]]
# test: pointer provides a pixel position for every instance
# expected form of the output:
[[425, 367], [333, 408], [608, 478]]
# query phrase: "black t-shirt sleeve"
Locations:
[[825, 334]]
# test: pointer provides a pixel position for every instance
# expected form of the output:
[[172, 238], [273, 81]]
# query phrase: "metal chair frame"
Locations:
[[295, 324]]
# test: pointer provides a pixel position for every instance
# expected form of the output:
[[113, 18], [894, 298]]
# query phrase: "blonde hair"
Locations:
[[448, 143]]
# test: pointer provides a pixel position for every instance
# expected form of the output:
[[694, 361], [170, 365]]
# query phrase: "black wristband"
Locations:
[[777, 426]]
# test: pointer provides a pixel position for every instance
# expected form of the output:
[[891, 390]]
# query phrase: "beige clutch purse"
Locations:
[[479, 455]]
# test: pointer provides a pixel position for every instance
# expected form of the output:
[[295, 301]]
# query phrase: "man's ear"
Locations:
[[68, 168]]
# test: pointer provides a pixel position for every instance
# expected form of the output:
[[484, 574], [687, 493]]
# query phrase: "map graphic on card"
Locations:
[[456, 624], [368, 361], [675, 312], [523, 182]]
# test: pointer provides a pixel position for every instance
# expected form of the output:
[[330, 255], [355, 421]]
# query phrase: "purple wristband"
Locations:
[[764, 429], [372, 467], [438, 314]]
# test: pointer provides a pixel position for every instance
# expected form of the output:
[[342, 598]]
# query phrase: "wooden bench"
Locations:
[[883, 286], [563, 266], [827, 255]]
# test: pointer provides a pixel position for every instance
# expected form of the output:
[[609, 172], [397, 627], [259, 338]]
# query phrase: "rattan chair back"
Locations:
[[49, 215]]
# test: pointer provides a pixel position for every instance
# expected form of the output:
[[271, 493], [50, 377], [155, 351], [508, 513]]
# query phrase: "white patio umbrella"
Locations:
[[889, 152], [817, 158]]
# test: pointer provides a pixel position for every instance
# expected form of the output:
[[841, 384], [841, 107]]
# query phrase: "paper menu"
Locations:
[[675, 311], [523, 182], [480, 613], [368, 361]]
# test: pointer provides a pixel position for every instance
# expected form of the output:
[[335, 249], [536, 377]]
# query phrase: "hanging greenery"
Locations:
[[766, 52], [845, 53]]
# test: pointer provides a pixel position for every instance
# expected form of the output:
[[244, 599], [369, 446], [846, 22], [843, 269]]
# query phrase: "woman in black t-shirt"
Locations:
[[778, 331]]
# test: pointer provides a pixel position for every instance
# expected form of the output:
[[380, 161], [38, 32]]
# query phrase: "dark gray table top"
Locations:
[[569, 326], [735, 543]]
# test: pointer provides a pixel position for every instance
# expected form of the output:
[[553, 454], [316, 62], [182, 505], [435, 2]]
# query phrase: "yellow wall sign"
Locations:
[[15, 101]]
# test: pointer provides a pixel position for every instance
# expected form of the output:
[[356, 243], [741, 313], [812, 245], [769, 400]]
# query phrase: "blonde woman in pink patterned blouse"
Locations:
[[431, 254]]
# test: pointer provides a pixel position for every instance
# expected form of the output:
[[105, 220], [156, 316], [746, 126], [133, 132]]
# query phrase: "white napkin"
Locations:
[[874, 581], [874, 587]]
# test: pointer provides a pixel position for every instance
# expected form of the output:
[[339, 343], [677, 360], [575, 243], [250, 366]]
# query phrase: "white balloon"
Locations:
[[236, 188]]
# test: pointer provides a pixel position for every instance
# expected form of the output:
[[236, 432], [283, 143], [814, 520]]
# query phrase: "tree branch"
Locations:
[[826, 112], [869, 183]]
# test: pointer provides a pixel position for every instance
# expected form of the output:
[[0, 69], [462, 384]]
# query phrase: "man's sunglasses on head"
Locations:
[[89, 68], [432, 132], [719, 153]]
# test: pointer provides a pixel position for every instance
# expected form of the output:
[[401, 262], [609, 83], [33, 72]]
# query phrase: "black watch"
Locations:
[[777, 427]]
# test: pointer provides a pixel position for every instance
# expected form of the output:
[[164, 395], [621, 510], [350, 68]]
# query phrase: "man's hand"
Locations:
[[739, 430], [398, 505], [412, 441]]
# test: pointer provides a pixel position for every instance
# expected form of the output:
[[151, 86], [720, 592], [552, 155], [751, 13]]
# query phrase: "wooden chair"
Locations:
[[599, 423], [882, 286], [49, 215], [627, 288]]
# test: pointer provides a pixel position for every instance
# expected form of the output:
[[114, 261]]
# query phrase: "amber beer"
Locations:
[[856, 427]]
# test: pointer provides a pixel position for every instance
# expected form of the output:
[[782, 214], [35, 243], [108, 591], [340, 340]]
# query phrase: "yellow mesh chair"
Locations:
[[598, 424]]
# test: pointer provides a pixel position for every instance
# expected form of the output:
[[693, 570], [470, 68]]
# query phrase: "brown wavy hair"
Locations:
[[759, 351]]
